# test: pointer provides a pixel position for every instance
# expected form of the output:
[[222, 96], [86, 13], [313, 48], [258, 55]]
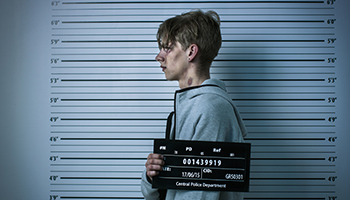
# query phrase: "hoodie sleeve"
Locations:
[[146, 188]]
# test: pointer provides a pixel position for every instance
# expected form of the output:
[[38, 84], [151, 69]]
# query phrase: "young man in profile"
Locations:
[[203, 110]]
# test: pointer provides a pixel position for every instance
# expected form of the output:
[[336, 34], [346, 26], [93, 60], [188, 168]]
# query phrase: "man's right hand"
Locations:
[[154, 164]]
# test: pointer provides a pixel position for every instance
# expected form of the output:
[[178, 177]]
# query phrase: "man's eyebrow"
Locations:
[[166, 46]]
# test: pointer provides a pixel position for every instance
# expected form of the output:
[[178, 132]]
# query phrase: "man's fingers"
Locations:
[[155, 156], [152, 173], [155, 159], [154, 164], [153, 167]]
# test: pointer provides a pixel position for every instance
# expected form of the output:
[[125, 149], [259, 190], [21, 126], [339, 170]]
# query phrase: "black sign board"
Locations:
[[199, 165]]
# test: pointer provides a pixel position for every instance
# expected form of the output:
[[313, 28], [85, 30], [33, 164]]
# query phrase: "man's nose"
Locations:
[[159, 57]]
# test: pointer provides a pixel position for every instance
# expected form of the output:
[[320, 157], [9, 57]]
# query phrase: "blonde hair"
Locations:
[[194, 27]]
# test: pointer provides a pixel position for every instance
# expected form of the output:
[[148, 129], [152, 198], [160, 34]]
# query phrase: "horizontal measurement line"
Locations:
[[85, 80], [128, 112], [137, 178], [114, 158], [140, 165], [295, 192], [98, 145], [148, 86], [104, 41], [228, 8], [273, 41], [271, 60], [255, 152], [284, 138], [228, 34], [217, 60], [112, 119], [296, 172], [285, 198], [104, 22], [93, 191], [292, 151], [102, 184], [295, 165], [82, 171], [170, 106], [117, 99], [140, 86], [107, 139], [257, 172], [284, 119], [107, 60], [252, 112], [154, 138], [88, 125], [163, 93], [287, 158], [223, 21], [164, 86], [273, 47], [288, 179], [292, 125], [255, 145], [99, 152], [140, 41], [140, 34], [173, 99], [156, 73], [292, 132], [294, 106], [273, 80], [85, 54], [155, 119], [155, 28], [299, 145], [139, 54], [165, 15], [191, 2], [278, 99], [282, 112], [114, 132], [233, 47], [82, 197], [298, 185], [99, 158]]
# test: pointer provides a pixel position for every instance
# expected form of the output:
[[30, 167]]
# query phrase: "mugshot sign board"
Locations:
[[199, 165]]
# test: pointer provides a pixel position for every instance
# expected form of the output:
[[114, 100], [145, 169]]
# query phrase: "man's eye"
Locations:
[[166, 49]]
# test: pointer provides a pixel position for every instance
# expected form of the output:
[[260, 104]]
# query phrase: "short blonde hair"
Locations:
[[194, 27]]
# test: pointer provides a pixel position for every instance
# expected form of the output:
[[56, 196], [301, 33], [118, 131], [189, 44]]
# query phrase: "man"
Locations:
[[203, 110]]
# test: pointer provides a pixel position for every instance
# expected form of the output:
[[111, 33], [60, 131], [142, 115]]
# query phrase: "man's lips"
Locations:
[[163, 68]]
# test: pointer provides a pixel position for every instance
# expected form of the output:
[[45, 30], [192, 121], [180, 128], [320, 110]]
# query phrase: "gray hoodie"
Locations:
[[202, 113]]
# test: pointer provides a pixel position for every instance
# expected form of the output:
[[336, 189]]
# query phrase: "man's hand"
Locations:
[[154, 164]]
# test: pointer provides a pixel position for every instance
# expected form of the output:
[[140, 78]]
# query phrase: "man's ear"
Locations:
[[192, 51]]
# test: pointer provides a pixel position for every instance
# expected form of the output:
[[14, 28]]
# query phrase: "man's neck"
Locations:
[[193, 77], [191, 81]]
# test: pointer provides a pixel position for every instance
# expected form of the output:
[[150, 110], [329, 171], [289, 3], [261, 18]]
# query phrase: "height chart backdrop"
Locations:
[[83, 97]]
